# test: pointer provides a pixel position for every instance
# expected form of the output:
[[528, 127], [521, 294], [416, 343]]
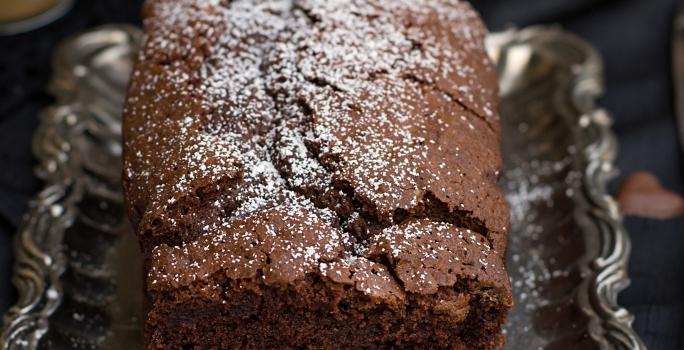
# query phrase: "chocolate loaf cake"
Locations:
[[317, 174]]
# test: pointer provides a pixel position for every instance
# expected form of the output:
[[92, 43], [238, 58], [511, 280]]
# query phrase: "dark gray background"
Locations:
[[633, 36]]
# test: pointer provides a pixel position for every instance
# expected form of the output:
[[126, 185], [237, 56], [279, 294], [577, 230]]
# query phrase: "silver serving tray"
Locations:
[[78, 267]]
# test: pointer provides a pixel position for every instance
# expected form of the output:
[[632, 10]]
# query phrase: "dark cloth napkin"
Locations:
[[632, 35]]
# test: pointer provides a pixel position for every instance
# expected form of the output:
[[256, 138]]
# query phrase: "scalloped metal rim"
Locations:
[[40, 260], [611, 324]]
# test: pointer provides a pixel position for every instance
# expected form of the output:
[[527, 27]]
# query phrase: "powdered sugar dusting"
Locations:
[[267, 107], [438, 255]]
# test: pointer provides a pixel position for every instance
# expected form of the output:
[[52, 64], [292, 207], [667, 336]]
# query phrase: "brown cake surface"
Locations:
[[317, 174]]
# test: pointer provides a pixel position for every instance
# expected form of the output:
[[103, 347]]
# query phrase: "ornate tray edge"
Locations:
[[39, 260], [611, 324]]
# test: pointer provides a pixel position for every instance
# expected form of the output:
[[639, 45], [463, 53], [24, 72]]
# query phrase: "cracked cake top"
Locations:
[[271, 139]]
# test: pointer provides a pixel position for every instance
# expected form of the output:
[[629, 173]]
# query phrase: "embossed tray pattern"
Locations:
[[78, 267]]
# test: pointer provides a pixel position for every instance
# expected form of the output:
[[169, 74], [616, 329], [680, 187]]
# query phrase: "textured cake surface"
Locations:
[[317, 174]]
